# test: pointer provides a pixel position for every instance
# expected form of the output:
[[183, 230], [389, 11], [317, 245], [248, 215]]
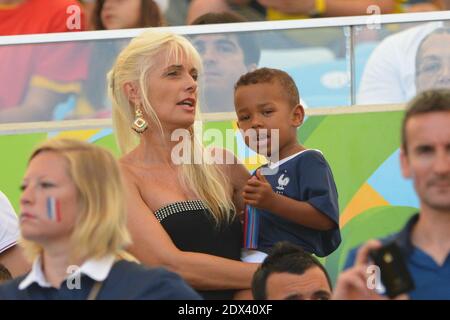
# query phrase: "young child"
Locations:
[[295, 200]]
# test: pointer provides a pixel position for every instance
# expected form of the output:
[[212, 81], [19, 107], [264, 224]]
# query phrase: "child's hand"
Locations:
[[258, 192]]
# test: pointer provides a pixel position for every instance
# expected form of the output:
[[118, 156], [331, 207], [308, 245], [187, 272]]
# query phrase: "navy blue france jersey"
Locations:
[[305, 176]]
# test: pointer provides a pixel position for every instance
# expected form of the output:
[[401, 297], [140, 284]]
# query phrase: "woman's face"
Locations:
[[49, 201], [121, 14], [173, 91]]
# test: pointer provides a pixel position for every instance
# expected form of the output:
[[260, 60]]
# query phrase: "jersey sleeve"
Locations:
[[317, 186]]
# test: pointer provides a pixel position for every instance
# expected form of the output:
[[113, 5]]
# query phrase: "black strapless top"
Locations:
[[192, 228]]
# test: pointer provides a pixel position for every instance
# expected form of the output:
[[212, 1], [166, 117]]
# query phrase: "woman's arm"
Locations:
[[153, 247], [236, 173], [333, 8]]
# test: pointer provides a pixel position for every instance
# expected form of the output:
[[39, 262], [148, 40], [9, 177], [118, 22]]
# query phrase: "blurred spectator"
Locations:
[[119, 14], [425, 158], [73, 222], [11, 256], [35, 78], [390, 75], [225, 57], [90, 6], [433, 61], [290, 273]]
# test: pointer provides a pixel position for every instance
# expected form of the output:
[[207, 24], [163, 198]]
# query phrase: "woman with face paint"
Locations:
[[73, 225]]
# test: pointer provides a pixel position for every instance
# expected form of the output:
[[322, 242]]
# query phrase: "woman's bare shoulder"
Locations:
[[127, 169], [230, 165]]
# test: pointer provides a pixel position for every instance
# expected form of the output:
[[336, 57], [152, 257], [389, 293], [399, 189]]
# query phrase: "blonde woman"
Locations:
[[73, 225], [182, 210]]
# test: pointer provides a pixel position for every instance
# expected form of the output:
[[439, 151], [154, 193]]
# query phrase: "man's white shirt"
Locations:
[[9, 226]]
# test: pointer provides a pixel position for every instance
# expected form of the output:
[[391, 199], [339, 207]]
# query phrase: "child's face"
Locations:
[[265, 106]]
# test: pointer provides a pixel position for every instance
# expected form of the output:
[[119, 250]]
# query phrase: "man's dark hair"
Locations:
[[5, 275], [246, 40], [437, 100], [268, 75], [283, 257]]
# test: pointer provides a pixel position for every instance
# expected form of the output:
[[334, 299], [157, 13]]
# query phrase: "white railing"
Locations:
[[31, 127], [86, 124], [232, 27]]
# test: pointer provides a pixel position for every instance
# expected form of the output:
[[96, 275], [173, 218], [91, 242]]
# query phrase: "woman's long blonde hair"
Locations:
[[100, 228], [133, 66]]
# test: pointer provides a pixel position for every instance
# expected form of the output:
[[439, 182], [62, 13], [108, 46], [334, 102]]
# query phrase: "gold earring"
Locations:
[[139, 124]]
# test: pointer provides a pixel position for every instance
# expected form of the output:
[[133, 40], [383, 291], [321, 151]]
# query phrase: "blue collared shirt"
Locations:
[[121, 280], [96, 269], [432, 281]]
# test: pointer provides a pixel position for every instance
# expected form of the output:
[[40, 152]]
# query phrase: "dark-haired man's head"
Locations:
[[425, 152], [431, 101], [225, 56], [290, 273]]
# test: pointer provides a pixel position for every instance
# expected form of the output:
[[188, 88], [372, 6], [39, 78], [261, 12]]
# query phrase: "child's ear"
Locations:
[[298, 115]]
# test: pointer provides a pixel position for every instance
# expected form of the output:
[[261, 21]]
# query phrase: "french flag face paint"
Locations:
[[53, 209]]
